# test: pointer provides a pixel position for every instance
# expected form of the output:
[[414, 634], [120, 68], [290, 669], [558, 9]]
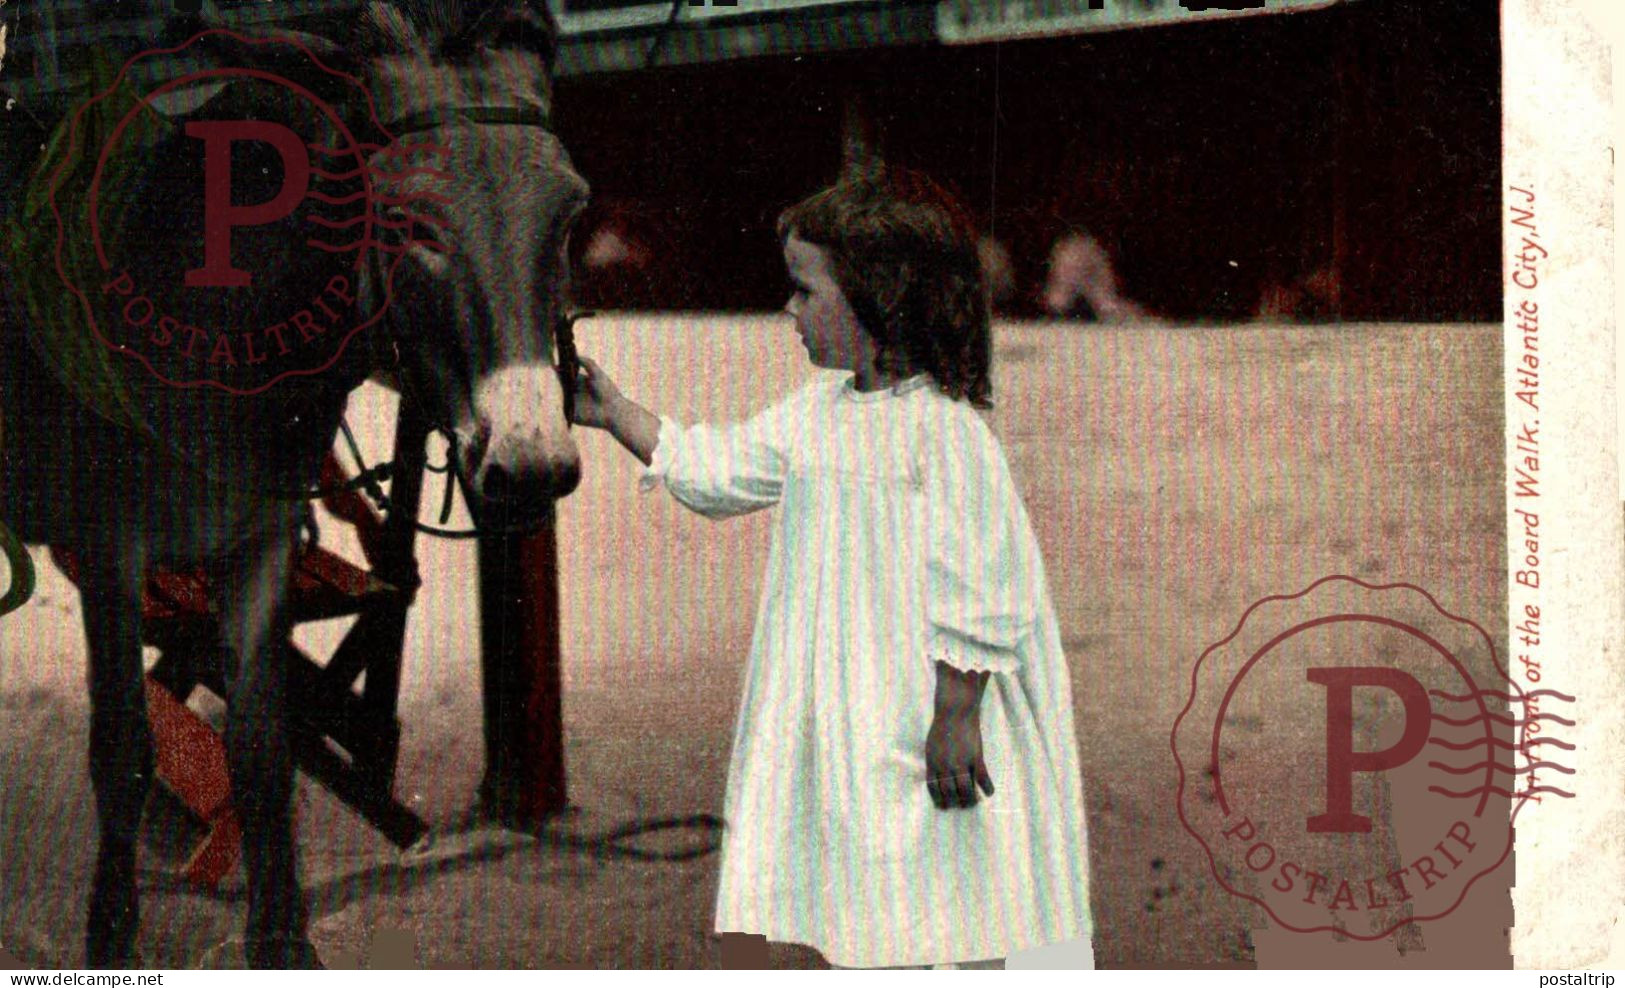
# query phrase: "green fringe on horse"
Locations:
[[34, 237], [56, 325], [21, 575]]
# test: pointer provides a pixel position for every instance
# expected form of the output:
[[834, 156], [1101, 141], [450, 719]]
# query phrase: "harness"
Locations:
[[566, 362], [21, 576], [369, 479]]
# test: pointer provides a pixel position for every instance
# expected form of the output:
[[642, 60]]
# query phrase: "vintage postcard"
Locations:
[[669, 484]]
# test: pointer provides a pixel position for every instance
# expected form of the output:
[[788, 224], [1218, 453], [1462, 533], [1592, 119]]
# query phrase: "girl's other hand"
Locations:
[[954, 768], [596, 396]]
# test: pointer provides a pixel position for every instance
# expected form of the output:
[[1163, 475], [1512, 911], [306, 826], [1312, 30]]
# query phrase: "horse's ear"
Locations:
[[862, 159], [524, 25], [279, 50], [187, 100]]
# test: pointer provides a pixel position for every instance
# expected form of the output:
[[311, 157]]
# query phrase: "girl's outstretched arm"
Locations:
[[717, 470], [600, 404]]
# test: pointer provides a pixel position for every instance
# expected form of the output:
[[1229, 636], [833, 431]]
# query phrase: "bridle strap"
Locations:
[[569, 368], [515, 116], [568, 363]]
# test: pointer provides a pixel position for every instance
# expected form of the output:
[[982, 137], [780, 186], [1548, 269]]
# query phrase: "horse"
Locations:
[[463, 299]]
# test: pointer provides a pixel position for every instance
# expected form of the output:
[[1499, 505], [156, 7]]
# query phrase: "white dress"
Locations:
[[901, 540]]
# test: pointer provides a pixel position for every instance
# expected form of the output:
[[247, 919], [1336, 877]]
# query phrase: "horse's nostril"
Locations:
[[567, 479], [501, 485], [498, 484]]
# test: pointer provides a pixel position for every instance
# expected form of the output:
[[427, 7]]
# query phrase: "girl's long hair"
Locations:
[[903, 251]]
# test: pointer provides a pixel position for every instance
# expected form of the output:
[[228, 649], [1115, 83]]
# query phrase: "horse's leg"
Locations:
[[254, 585], [121, 752]]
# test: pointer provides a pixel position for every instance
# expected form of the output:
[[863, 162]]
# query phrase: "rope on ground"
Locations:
[[616, 842], [478, 841], [612, 844]]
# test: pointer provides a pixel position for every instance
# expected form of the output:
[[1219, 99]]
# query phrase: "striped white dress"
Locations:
[[901, 540]]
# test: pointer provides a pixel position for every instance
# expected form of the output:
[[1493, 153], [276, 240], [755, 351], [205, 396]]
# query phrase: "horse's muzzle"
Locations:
[[524, 494], [523, 455]]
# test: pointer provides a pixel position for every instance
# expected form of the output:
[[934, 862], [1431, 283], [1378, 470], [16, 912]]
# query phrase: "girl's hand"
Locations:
[[954, 769], [596, 396], [600, 404]]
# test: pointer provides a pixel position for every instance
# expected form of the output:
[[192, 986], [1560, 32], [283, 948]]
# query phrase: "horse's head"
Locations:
[[482, 288], [474, 201]]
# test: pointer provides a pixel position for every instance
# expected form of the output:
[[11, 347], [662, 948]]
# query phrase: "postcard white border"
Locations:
[[1570, 885]]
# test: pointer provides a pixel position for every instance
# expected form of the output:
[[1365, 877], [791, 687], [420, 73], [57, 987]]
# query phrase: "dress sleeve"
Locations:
[[985, 579], [725, 470]]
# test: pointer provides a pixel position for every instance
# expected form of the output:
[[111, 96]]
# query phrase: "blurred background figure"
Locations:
[[999, 271], [1313, 297], [1083, 283], [611, 246], [625, 254]]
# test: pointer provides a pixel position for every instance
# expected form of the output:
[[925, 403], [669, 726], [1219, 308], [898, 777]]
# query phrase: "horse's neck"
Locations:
[[282, 441], [276, 441]]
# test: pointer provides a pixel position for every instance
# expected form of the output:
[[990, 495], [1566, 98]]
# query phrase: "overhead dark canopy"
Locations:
[[961, 21], [600, 36], [614, 35]]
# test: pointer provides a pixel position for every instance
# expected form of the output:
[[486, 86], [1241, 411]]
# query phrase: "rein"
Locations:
[[20, 569], [568, 368]]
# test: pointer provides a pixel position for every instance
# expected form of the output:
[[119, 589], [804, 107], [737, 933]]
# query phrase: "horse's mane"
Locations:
[[449, 29]]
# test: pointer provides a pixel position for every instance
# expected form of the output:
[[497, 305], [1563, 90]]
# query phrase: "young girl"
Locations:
[[904, 788]]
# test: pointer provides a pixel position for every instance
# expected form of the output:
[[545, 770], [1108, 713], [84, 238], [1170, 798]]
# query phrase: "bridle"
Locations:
[[566, 361], [369, 479], [568, 367]]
